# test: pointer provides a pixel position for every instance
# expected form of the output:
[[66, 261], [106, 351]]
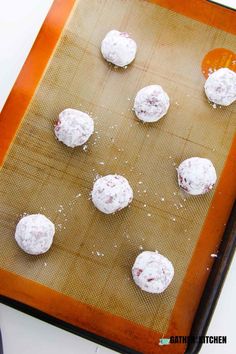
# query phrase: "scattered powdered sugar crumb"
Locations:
[[78, 195], [126, 235], [85, 148], [61, 208], [59, 227], [99, 254], [141, 247], [101, 163], [162, 199], [45, 264], [149, 214]]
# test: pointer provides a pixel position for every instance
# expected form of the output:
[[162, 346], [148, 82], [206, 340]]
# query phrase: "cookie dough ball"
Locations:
[[73, 127], [34, 234], [111, 193], [220, 87], [152, 272], [118, 48], [151, 103], [196, 175]]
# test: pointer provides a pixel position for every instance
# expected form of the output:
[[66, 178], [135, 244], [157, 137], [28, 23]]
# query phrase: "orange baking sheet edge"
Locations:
[[31, 73], [203, 11]]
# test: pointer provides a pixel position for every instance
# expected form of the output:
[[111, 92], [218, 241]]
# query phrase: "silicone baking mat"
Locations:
[[92, 254]]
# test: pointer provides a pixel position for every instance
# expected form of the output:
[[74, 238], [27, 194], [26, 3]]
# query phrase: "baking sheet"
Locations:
[[91, 250]]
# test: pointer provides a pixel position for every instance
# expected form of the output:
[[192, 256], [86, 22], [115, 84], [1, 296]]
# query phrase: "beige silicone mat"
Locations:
[[93, 253]]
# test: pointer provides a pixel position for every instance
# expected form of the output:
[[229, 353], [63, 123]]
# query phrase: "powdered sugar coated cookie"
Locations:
[[111, 193], [74, 127], [34, 234], [220, 87], [196, 175], [151, 103], [118, 48], [152, 272]]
